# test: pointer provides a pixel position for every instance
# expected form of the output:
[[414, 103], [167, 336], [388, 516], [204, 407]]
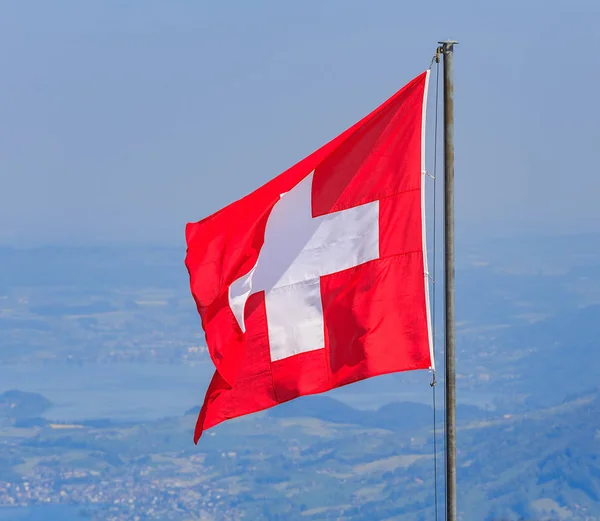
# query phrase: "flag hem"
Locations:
[[424, 224]]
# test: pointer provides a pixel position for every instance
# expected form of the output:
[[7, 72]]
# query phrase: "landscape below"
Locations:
[[291, 463], [105, 350]]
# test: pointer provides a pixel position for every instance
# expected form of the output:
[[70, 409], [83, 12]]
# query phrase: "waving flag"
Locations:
[[319, 278]]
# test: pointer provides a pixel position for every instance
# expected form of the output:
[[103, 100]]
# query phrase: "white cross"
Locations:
[[298, 250]]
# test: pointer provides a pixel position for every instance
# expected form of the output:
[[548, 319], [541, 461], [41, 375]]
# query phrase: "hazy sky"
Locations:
[[121, 121]]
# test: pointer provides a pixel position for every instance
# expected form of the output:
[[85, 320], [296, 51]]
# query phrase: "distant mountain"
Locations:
[[541, 465], [320, 407], [396, 415], [19, 404]]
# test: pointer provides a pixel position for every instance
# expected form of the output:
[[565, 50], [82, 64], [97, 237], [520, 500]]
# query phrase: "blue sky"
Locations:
[[121, 121]]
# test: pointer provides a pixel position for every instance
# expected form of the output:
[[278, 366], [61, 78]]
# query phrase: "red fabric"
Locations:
[[375, 314]]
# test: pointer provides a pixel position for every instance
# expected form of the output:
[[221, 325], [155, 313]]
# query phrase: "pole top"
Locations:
[[447, 45]]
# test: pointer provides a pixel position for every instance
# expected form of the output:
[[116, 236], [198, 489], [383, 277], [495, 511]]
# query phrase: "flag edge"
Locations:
[[424, 223]]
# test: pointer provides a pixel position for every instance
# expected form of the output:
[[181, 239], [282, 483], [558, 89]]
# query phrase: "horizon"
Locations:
[[464, 239]]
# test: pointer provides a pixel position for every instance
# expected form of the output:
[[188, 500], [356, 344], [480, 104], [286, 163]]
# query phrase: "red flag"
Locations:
[[319, 278]]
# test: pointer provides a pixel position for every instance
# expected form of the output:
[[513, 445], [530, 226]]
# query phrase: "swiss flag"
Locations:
[[319, 278]]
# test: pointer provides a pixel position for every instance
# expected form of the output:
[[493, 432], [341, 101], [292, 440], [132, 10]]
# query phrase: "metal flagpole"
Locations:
[[447, 49]]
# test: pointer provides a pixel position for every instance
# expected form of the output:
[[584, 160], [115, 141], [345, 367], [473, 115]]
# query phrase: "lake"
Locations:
[[45, 513], [139, 391]]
